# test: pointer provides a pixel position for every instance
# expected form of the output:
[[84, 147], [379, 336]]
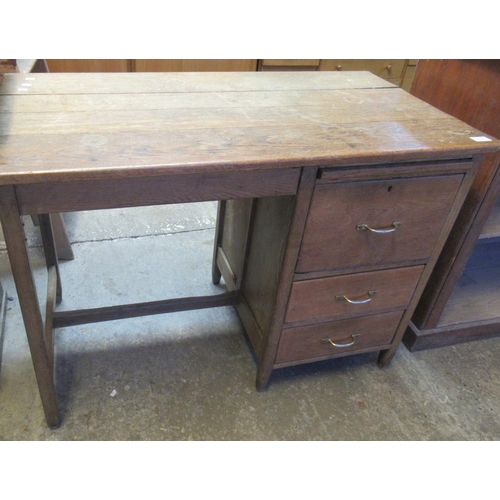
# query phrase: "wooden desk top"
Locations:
[[64, 126]]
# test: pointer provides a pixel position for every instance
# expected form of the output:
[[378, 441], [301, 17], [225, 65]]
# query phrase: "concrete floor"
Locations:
[[191, 376]]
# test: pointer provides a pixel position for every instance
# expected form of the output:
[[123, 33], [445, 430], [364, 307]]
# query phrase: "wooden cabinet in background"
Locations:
[[462, 299], [145, 65], [288, 64], [88, 65], [397, 71], [194, 65], [409, 74], [391, 70]]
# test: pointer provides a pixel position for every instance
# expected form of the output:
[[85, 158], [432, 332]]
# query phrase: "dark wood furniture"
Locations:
[[301, 162], [462, 300]]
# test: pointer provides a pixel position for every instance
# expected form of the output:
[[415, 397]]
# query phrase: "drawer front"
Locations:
[[290, 62], [351, 295], [338, 235], [337, 337], [384, 68]]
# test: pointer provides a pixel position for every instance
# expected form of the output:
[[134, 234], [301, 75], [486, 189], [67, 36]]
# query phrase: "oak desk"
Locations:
[[337, 192]]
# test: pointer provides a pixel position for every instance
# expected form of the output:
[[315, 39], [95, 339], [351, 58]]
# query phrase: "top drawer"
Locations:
[[407, 216]]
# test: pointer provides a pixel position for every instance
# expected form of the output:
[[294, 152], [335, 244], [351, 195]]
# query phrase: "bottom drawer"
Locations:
[[335, 338]]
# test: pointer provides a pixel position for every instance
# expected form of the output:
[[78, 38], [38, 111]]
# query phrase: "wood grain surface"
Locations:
[[366, 332], [420, 205], [96, 125], [315, 300]]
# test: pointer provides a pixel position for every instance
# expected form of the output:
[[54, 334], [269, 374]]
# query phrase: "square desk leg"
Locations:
[[25, 285]]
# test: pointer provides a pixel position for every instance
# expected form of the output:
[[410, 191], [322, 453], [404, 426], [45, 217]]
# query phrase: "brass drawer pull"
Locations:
[[330, 341], [371, 294], [395, 225]]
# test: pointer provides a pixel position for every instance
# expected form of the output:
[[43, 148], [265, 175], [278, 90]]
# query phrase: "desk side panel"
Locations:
[[254, 242], [270, 226]]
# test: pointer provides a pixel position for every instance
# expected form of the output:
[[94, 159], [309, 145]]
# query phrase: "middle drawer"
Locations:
[[351, 295]]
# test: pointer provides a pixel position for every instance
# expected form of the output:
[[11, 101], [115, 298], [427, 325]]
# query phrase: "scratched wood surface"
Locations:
[[93, 126]]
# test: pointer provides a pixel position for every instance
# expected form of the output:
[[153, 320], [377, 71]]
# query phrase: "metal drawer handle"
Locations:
[[395, 225], [371, 294], [330, 341]]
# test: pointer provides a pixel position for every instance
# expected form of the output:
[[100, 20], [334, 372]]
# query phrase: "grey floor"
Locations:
[[191, 376]]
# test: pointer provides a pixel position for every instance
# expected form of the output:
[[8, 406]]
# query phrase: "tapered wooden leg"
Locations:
[[263, 377], [219, 230], [386, 356], [25, 285]]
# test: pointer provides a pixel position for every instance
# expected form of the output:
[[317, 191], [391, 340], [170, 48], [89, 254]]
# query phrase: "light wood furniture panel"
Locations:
[[462, 299], [288, 64], [96, 141], [409, 74], [149, 65], [397, 71], [88, 65], [391, 70], [194, 64]]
